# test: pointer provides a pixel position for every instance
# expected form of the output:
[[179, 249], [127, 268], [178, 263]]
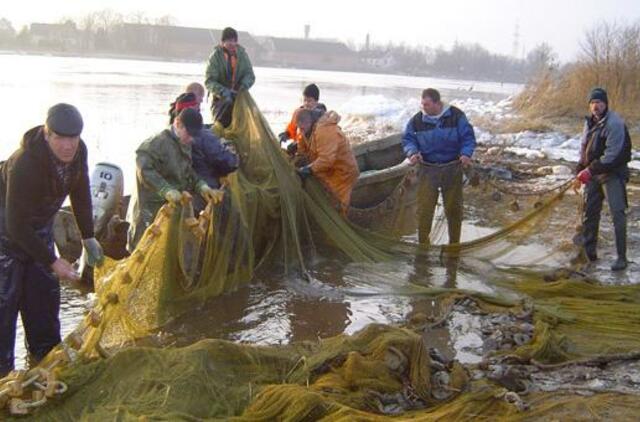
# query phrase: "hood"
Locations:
[[429, 118], [329, 118], [33, 138]]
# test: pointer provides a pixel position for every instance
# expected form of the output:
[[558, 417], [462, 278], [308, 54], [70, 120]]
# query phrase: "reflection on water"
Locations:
[[125, 101]]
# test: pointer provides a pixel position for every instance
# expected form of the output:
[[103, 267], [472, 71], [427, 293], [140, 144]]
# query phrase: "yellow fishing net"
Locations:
[[269, 221]]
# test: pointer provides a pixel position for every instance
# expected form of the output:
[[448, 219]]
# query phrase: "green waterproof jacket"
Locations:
[[218, 76], [162, 164]]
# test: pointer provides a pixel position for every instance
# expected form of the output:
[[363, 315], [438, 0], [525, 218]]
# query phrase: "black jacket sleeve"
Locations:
[[22, 190], [80, 197]]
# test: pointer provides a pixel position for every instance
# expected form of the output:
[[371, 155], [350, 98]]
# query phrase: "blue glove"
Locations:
[[226, 93], [93, 252], [305, 172]]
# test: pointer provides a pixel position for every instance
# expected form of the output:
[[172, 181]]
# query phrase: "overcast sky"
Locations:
[[492, 23]]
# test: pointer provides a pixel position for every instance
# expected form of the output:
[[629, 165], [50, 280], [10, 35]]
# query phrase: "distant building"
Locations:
[[306, 53], [175, 41], [380, 60], [63, 36]]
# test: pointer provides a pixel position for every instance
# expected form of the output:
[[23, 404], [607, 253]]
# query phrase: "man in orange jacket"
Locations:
[[329, 153], [310, 98]]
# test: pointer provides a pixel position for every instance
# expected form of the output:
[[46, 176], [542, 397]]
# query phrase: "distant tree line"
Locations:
[[98, 32], [468, 61], [609, 58]]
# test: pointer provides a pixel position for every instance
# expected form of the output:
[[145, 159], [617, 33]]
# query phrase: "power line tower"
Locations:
[[516, 41]]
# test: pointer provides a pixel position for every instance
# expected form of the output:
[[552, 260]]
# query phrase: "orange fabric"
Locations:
[[332, 161], [234, 64]]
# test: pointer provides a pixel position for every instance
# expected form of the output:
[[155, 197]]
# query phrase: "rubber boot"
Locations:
[[620, 228]]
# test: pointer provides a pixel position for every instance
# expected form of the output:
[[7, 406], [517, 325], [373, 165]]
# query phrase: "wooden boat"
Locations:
[[384, 196]]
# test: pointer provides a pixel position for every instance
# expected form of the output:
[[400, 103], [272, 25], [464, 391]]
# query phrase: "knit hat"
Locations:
[[64, 119], [229, 34], [599, 94], [192, 121], [312, 91]]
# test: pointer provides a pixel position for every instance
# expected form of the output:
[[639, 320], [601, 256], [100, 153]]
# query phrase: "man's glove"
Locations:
[[292, 148], [173, 196], [211, 195], [227, 94], [283, 137], [304, 172], [584, 176], [93, 254]]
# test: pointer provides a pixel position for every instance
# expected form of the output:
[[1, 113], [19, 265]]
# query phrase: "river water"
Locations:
[[125, 101]]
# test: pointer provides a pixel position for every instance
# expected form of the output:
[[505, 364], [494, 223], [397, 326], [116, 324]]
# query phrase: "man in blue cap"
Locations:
[[50, 165], [604, 154]]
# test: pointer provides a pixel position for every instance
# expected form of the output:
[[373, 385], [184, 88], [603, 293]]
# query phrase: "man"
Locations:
[[329, 153], [310, 98], [211, 158], [442, 140], [163, 171], [50, 165], [604, 154], [229, 71]]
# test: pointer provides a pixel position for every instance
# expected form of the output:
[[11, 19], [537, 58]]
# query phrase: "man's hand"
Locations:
[[173, 196], [64, 271], [93, 252], [576, 185], [465, 161], [415, 159], [584, 176], [283, 137], [292, 148], [211, 195]]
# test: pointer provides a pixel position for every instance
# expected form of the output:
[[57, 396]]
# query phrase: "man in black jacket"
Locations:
[[50, 164], [604, 154]]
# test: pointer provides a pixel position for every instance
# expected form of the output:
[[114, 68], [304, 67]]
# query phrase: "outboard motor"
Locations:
[[107, 189]]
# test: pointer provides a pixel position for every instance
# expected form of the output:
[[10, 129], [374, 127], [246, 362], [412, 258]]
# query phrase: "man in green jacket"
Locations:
[[163, 171], [229, 71]]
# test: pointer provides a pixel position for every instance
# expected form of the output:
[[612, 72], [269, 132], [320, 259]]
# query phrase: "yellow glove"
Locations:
[[211, 195]]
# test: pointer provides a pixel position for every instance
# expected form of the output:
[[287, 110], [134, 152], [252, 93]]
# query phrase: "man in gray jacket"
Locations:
[[604, 154]]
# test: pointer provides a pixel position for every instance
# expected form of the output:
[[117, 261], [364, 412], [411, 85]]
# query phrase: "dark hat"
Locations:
[[192, 120], [312, 91], [64, 119], [599, 94], [229, 34]]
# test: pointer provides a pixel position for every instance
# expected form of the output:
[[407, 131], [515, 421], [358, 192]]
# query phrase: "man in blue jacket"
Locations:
[[441, 139], [604, 154]]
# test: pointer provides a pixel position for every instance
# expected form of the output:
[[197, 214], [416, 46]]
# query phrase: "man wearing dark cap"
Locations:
[[229, 71], [310, 101], [50, 165], [602, 168], [164, 170]]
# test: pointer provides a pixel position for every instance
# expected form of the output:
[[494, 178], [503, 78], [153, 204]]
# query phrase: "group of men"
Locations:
[[51, 164]]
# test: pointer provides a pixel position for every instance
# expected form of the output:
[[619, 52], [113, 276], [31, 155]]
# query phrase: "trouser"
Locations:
[[613, 188], [28, 288], [433, 179], [223, 111]]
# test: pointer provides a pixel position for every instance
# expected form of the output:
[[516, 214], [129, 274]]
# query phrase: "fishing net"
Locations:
[[271, 222]]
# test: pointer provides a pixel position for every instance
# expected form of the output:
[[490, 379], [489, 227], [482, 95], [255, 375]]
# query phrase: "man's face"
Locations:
[[63, 147], [182, 134], [597, 107], [199, 98], [430, 107], [231, 45], [309, 103]]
